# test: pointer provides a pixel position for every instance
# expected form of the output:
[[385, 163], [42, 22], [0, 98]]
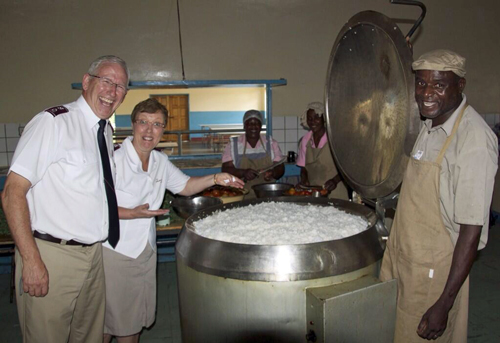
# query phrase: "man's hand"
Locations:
[[35, 278], [250, 174], [434, 321], [330, 185], [268, 175]]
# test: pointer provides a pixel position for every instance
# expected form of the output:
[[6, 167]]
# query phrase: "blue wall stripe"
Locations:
[[196, 118]]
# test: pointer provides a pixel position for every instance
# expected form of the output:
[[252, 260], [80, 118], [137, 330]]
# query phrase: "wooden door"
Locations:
[[178, 114]]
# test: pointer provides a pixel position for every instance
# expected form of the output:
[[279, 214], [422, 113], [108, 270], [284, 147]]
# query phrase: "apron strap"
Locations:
[[439, 159], [236, 153]]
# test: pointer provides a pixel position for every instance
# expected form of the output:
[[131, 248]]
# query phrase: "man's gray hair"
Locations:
[[94, 66]]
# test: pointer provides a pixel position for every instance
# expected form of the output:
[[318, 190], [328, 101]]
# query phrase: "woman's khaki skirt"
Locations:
[[130, 291]]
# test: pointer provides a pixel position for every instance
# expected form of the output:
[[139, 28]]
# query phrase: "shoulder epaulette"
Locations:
[[57, 110], [117, 146]]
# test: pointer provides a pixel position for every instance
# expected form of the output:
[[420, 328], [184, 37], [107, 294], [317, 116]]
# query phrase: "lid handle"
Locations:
[[419, 20]]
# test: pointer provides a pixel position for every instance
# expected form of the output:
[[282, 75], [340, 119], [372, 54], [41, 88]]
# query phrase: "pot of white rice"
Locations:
[[243, 268]]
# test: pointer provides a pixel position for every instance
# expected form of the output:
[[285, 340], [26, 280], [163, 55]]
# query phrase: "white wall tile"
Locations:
[[21, 128], [497, 118], [2, 130], [282, 148], [302, 132], [291, 136], [11, 130], [3, 159], [291, 147], [291, 122], [490, 119], [3, 145], [12, 144], [278, 123], [279, 135], [9, 156]]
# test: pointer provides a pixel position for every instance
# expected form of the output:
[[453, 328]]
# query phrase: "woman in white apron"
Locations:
[[315, 157]]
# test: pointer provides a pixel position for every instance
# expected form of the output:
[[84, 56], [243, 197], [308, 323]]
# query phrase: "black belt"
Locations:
[[49, 238]]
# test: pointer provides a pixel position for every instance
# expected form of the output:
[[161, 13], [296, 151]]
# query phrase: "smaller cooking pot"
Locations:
[[186, 206], [269, 190]]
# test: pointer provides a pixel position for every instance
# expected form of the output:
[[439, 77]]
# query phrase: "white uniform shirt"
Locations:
[[467, 171], [135, 187], [60, 156]]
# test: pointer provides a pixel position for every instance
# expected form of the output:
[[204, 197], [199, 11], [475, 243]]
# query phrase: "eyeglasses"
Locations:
[[144, 123], [104, 81]]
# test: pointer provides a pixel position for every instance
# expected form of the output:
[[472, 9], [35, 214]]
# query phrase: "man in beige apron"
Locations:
[[317, 164], [246, 155], [442, 210]]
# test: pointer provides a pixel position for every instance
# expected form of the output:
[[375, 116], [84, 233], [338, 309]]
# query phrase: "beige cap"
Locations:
[[252, 114], [441, 60]]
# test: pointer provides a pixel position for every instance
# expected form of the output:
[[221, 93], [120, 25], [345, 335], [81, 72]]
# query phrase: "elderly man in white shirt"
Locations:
[[58, 199]]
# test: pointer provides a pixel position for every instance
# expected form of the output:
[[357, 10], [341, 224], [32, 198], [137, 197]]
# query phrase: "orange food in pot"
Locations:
[[216, 193]]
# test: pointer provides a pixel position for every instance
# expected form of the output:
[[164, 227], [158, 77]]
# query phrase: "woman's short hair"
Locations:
[[150, 105]]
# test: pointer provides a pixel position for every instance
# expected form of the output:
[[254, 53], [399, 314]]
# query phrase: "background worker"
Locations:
[[245, 155], [315, 159]]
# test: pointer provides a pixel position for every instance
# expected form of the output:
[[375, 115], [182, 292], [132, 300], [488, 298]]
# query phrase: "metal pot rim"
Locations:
[[280, 262]]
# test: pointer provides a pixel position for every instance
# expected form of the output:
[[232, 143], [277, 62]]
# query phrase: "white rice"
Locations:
[[278, 223]]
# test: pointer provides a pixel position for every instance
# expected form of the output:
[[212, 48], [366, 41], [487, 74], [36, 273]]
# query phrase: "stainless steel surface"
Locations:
[[359, 311], [265, 190], [280, 262], [215, 309], [372, 119], [232, 292], [187, 206]]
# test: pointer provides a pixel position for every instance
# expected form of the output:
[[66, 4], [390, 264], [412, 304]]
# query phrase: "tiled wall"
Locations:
[[287, 131], [492, 119], [9, 136]]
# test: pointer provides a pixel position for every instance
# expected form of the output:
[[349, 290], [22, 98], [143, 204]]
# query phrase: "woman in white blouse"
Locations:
[[142, 176]]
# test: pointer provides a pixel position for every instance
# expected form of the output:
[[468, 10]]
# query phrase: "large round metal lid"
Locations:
[[371, 117]]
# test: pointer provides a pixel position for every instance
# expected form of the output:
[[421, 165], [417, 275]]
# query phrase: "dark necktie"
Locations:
[[114, 224]]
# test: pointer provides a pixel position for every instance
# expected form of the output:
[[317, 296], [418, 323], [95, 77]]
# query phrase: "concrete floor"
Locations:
[[484, 313]]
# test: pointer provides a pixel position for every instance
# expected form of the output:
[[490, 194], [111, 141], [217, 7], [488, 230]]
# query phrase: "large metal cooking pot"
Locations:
[[232, 292]]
